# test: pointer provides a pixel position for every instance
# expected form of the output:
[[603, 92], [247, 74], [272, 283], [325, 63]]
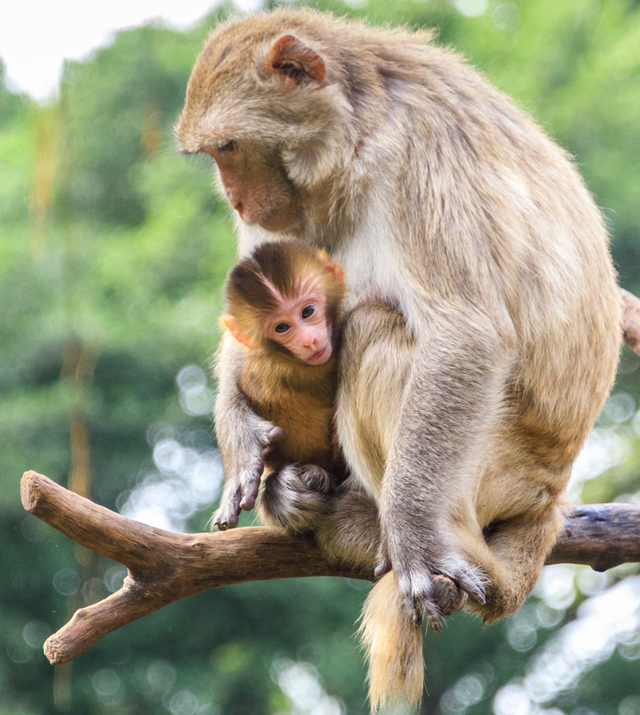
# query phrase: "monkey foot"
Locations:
[[441, 590], [316, 478], [450, 597], [296, 497]]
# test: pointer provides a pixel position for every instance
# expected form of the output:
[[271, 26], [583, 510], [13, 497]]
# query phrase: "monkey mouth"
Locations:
[[320, 357]]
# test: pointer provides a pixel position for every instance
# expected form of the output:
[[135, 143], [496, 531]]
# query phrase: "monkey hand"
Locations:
[[425, 591], [243, 480]]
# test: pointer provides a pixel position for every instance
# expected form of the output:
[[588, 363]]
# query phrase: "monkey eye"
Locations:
[[282, 328], [308, 311], [229, 146]]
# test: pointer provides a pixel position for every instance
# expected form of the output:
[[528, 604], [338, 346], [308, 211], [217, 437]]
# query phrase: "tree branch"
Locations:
[[164, 567]]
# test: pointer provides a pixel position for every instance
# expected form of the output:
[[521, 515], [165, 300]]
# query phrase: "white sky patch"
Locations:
[[36, 36]]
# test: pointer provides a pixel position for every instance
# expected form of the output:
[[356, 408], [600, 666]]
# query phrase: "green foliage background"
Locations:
[[113, 250]]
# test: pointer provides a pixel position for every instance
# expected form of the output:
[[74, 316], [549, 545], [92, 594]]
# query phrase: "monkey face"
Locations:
[[301, 325], [264, 108], [255, 183]]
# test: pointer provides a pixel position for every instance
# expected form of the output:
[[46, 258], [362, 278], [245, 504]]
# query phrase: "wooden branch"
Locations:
[[164, 567]]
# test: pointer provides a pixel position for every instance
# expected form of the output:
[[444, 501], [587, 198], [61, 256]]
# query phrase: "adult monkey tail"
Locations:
[[393, 646]]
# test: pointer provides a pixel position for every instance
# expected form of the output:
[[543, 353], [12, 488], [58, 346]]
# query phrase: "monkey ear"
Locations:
[[294, 62], [331, 267], [231, 324]]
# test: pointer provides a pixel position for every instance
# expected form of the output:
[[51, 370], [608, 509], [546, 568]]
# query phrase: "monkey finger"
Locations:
[[316, 478], [275, 434], [223, 523], [248, 502], [249, 495], [416, 615]]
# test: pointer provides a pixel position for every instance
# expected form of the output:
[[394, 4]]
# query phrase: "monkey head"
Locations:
[[285, 297], [263, 105]]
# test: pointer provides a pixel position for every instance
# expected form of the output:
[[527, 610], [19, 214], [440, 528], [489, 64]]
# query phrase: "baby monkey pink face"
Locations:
[[300, 324]]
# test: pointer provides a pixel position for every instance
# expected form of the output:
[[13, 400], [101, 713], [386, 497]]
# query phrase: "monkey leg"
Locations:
[[412, 423], [350, 531], [375, 363], [511, 554], [345, 520]]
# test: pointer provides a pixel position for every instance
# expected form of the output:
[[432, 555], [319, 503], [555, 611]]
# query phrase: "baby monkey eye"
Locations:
[[308, 311], [281, 328]]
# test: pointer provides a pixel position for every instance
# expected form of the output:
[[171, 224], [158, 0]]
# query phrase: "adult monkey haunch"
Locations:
[[442, 201]]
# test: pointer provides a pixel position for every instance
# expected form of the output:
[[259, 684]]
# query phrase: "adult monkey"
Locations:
[[444, 203]]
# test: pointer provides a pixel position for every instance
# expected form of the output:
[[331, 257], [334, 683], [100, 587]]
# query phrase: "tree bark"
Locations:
[[164, 567]]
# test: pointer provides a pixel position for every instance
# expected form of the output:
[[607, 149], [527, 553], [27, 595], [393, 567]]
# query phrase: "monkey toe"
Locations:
[[420, 599], [316, 478], [426, 607], [468, 578], [384, 563], [449, 596]]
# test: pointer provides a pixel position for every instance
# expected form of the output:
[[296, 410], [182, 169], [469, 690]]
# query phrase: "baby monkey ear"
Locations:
[[294, 62], [330, 267], [228, 322]]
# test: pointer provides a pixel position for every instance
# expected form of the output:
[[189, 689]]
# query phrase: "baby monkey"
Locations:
[[284, 307]]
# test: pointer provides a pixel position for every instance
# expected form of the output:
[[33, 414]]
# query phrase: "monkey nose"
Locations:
[[238, 208]]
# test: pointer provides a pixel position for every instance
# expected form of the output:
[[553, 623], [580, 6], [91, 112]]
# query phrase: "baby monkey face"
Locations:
[[300, 324]]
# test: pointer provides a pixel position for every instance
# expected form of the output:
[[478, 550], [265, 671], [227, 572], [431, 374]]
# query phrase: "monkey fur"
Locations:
[[484, 319], [297, 397]]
